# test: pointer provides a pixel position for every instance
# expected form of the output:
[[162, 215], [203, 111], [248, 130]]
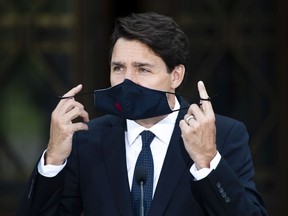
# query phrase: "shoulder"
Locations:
[[225, 123], [230, 133]]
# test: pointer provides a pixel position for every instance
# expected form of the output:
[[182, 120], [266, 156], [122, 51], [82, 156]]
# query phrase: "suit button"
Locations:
[[221, 190], [218, 185], [227, 199], [224, 195]]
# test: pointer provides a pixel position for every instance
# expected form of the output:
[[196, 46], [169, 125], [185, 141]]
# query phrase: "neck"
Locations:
[[148, 123]]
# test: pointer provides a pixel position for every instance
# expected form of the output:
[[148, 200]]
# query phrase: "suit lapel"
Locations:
[[115, 161], [176, 162]]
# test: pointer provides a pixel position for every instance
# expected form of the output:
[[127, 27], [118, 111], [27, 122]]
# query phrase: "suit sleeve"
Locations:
[[41, 195], [229, 189], [52, 196]]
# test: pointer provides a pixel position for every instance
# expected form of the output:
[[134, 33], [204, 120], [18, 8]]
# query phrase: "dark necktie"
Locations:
[[144, 159]]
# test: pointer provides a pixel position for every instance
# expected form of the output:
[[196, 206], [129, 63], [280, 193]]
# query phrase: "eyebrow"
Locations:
[[135, 64], [116, 63], [141, 64]]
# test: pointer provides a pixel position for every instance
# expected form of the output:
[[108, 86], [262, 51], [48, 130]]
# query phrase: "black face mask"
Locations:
[[132, 101]]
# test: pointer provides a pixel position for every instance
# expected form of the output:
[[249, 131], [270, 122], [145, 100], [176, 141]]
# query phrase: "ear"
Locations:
[[177, 76]]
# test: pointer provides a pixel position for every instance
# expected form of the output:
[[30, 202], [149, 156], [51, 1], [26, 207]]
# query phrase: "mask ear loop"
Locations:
[[193, 98], [80, 94], [185, 96]]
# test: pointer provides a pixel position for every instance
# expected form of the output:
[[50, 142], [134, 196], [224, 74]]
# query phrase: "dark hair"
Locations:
[[160, 33]]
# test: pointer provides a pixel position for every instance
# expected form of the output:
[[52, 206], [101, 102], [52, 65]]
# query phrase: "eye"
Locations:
[[144, 70], [117, 68]]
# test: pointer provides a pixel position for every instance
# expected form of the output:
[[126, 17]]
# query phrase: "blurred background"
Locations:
[[238, 48]]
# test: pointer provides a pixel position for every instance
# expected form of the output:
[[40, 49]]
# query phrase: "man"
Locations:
[[201, 163]]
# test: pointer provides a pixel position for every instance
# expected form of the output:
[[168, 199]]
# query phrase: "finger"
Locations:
[[67, 105], [73, 91], [79, 126], [196, 111], [205, 104], [85, 116], [188, 118], [77, 114], [186, 130], [202, 90], [76, 111], [73, 104], [70, 94], [183, 125]]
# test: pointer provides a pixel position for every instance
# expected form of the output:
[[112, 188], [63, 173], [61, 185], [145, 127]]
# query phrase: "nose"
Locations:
[[130, 75]]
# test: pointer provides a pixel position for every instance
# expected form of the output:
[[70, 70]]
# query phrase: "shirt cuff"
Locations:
[[49, 170], [202, 173]]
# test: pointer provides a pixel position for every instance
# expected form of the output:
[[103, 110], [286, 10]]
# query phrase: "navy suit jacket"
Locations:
[[95, 178]]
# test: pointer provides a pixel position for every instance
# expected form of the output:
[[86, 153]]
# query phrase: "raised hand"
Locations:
[[62, 128], [199, 130]]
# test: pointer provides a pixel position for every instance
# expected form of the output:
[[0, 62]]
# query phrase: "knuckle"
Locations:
[[193, 106], [77, 109], [212, 119], [81, 106], [198, 125]]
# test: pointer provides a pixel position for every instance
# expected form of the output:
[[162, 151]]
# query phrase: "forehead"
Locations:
[[132, 50]]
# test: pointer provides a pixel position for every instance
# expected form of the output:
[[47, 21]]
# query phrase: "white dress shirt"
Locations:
[[163, 131]]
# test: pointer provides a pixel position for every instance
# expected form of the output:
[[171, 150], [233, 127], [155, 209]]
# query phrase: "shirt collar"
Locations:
[[162, 130]]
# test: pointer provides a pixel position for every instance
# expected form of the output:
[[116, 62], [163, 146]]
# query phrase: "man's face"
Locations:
[[135, 61]]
